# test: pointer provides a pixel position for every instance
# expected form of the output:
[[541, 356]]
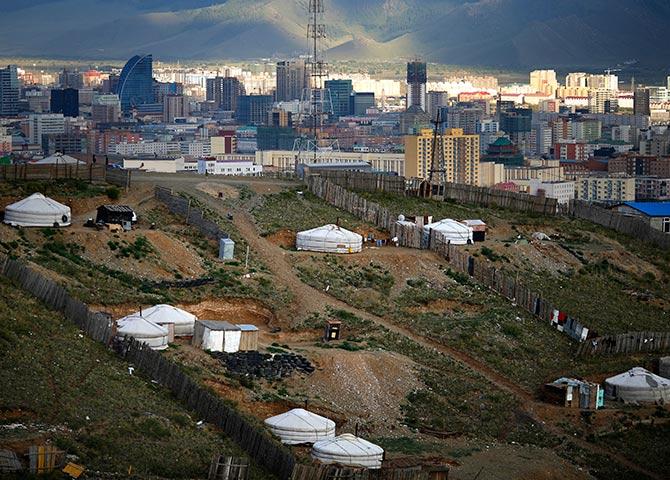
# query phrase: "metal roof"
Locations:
[[117, 208], [651, 209], [218, 325]]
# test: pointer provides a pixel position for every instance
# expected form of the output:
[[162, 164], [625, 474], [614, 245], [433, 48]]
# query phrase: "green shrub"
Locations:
[[113, 193]]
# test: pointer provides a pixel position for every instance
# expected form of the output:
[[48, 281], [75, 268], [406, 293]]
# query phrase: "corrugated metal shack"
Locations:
[[573, 393]]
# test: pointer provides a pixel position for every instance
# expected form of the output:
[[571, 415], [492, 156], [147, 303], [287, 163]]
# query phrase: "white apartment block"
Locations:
[[238, 165], [44, 124], [605, 189], [285, 160]]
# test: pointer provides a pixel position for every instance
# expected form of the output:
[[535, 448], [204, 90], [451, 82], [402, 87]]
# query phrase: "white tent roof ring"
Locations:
[[38, 211], [300, 426], [347, 449], [162, 314], [143, 330], [330, 239]]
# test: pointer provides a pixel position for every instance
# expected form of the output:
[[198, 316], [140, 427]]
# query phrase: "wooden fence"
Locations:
[[192, 216], [91, 172], [334, 472], [120, 178], [255, 440], [632, 342], [366, 182], [490, 197]]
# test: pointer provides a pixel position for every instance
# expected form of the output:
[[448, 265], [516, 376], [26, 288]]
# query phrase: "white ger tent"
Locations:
[[58, 159], [300, 426], [330, 239], [638, 385], [349, 450], [164, 314], [38, 211], [142, 330], [452, 231]]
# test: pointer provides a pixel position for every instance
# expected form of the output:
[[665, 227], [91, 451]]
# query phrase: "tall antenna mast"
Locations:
[[316, 31], [437, 145]]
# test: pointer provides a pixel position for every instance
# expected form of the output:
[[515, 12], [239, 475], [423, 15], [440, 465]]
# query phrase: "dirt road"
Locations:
[[309, 299]]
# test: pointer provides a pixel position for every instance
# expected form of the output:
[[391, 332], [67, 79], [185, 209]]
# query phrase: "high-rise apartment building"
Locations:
[[105, 109], [71, 79], [44, 124], [136, 83], [417, 78], [174, 106], [9, 91], [253, 109], [435, 100], [543, 81], [465, 117], [360, 102], [641, 101], [340, 93], [576, 80], [292, 80], [460, 153], [603, 100], [65, 101], [224, 92]]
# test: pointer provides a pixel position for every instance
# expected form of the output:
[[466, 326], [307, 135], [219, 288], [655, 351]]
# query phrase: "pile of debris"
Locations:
[[264, 365]]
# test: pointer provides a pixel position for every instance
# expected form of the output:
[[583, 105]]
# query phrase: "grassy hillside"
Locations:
[[63, 388]]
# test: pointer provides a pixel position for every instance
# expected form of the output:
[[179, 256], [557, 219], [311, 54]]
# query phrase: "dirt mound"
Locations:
[[283, 238], [171, 255], [365, 388], [233, 310], [444, 305], [214, 189]]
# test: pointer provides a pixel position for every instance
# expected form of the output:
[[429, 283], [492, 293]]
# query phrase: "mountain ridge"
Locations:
[[506, 33]]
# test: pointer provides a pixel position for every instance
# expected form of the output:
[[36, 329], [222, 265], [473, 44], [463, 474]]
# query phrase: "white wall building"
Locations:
[[561, 191], [44, 124], [285, 160], [157, 165], [238, 165]]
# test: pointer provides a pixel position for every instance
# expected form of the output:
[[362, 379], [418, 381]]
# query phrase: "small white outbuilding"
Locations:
[[638, 385], [142, 330], [165, 314], [300, 426], [217, 336], [452, 231], [38, 211], [348, 450], [329, 239]]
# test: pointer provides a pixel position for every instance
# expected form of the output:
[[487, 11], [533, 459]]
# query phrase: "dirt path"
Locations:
[[309, 299]]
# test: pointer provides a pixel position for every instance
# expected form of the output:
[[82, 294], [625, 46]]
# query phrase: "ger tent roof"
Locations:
[[453, 231], [162, 314], [347, 449], [638, 385], [329, 238], [300, 426], [38, 211], [143, 330], [59, 159]]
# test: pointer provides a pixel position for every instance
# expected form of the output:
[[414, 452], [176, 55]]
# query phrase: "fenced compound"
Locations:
[[209, 407], [490, 197], [192, 216], [91, 172], [632, 342], [630, 225]]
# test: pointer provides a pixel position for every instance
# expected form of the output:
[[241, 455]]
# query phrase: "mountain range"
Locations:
[[497, 33]]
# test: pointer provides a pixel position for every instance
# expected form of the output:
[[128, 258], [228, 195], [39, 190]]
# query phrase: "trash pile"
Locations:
[[264, 365]]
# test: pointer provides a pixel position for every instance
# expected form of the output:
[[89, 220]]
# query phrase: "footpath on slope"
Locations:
[[308, 299]]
